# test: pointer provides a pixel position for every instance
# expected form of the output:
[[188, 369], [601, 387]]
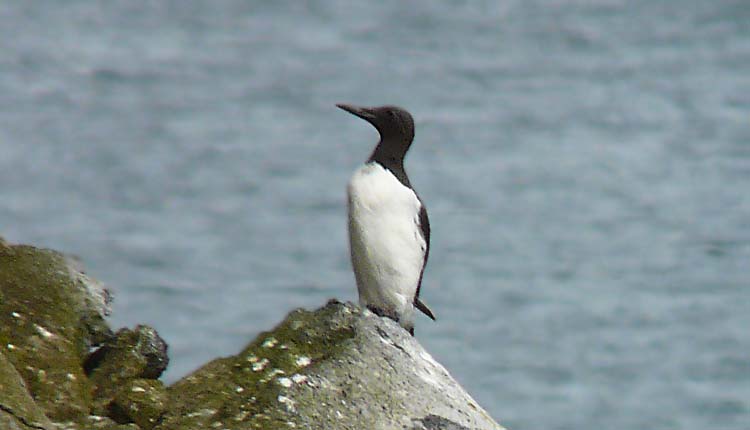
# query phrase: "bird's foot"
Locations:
[[391, 315]]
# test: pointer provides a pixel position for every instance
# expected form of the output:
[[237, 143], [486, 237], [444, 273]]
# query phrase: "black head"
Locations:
[[395, 125]]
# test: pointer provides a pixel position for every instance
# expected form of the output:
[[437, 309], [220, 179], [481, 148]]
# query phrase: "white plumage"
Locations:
[[386, 244]]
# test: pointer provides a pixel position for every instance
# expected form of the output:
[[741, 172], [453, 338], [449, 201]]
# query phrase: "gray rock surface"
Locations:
[[335, 368], [383, 379]]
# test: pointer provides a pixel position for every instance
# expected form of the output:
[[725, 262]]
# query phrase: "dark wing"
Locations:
[[424, 228]]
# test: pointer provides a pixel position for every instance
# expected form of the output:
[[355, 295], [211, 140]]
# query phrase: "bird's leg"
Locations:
[[381, 313]]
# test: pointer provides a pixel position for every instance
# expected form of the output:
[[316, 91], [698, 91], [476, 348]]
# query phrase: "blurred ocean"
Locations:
[[586, 165]]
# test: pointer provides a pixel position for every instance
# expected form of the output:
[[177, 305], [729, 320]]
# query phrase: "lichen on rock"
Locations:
[[129, 355], [244, 391], [51, 315], [17, 407], [45, 328], [139, 401], [335, 368]]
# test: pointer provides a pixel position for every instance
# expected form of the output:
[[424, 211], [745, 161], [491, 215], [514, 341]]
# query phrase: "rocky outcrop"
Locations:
[[338, 367], [52, 316]]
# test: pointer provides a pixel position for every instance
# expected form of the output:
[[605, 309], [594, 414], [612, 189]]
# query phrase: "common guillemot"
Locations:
[[389, 232]]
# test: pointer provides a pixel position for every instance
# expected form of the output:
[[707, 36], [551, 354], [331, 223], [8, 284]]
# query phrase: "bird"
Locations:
[[389, 231]]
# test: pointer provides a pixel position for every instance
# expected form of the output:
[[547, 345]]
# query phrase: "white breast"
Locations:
[[387, 247]]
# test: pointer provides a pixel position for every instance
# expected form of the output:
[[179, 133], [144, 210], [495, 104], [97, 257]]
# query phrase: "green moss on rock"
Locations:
[[41, 329], [243, 391], [131, 354], [17, 408], [96, 422], [140, 401]]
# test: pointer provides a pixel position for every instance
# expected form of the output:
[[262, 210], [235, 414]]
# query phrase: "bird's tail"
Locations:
[[423, 307]]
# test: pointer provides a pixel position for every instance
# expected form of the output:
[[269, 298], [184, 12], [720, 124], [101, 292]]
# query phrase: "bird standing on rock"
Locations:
[[389, 232]]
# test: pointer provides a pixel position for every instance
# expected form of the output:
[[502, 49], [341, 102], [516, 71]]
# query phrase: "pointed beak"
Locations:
[[362, 112]]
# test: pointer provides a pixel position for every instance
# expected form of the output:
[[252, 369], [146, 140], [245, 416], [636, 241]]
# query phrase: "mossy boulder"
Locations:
[[17, 407], [131, 355], [335, 368], [50, 317], [139, 401], [243, 391]]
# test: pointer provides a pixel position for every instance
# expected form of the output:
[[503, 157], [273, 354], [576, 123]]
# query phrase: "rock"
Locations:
[[50, 315], [97, 302], [336, 368], [140, 401], [17, 409], [96, 422], [131, 354]]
